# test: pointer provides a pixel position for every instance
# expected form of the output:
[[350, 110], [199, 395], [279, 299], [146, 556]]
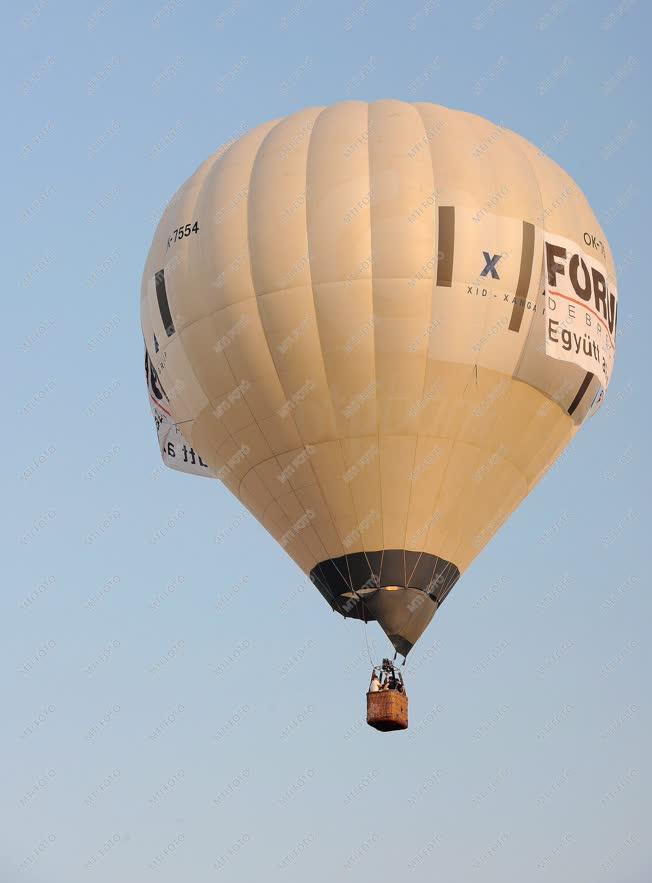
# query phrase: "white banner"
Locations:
[[175, 450], [581, 307]]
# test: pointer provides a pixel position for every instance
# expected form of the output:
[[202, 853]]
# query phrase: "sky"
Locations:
[[179, 703]]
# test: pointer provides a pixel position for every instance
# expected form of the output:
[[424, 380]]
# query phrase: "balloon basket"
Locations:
[[387, 710]]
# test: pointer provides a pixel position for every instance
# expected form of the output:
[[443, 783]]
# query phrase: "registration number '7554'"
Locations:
[[183, 230]]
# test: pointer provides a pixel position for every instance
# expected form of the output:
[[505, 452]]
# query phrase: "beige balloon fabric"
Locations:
[[379, 325]]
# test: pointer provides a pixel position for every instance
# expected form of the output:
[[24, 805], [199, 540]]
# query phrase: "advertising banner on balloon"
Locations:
[[581, 306], [176, 452]]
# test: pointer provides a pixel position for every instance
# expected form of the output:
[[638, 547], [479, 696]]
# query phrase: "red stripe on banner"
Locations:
[[581, 303], [158, 405]]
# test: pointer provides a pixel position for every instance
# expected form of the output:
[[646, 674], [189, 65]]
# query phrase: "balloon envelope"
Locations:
[[378, 325]]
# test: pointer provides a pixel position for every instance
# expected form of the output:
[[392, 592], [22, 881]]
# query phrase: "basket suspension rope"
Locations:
[[364, 626]]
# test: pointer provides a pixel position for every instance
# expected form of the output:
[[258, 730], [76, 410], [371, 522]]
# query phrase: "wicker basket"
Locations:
[[387, 710]]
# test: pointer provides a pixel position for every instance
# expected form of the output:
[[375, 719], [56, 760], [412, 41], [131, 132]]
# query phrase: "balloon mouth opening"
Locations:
[[353, 584], [397, 588]]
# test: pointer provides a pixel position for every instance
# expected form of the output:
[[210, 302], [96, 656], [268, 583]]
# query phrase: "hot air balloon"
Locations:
[[378, 325]]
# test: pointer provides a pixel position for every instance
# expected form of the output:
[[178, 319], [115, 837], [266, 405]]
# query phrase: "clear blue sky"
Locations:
[[141, 613]]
